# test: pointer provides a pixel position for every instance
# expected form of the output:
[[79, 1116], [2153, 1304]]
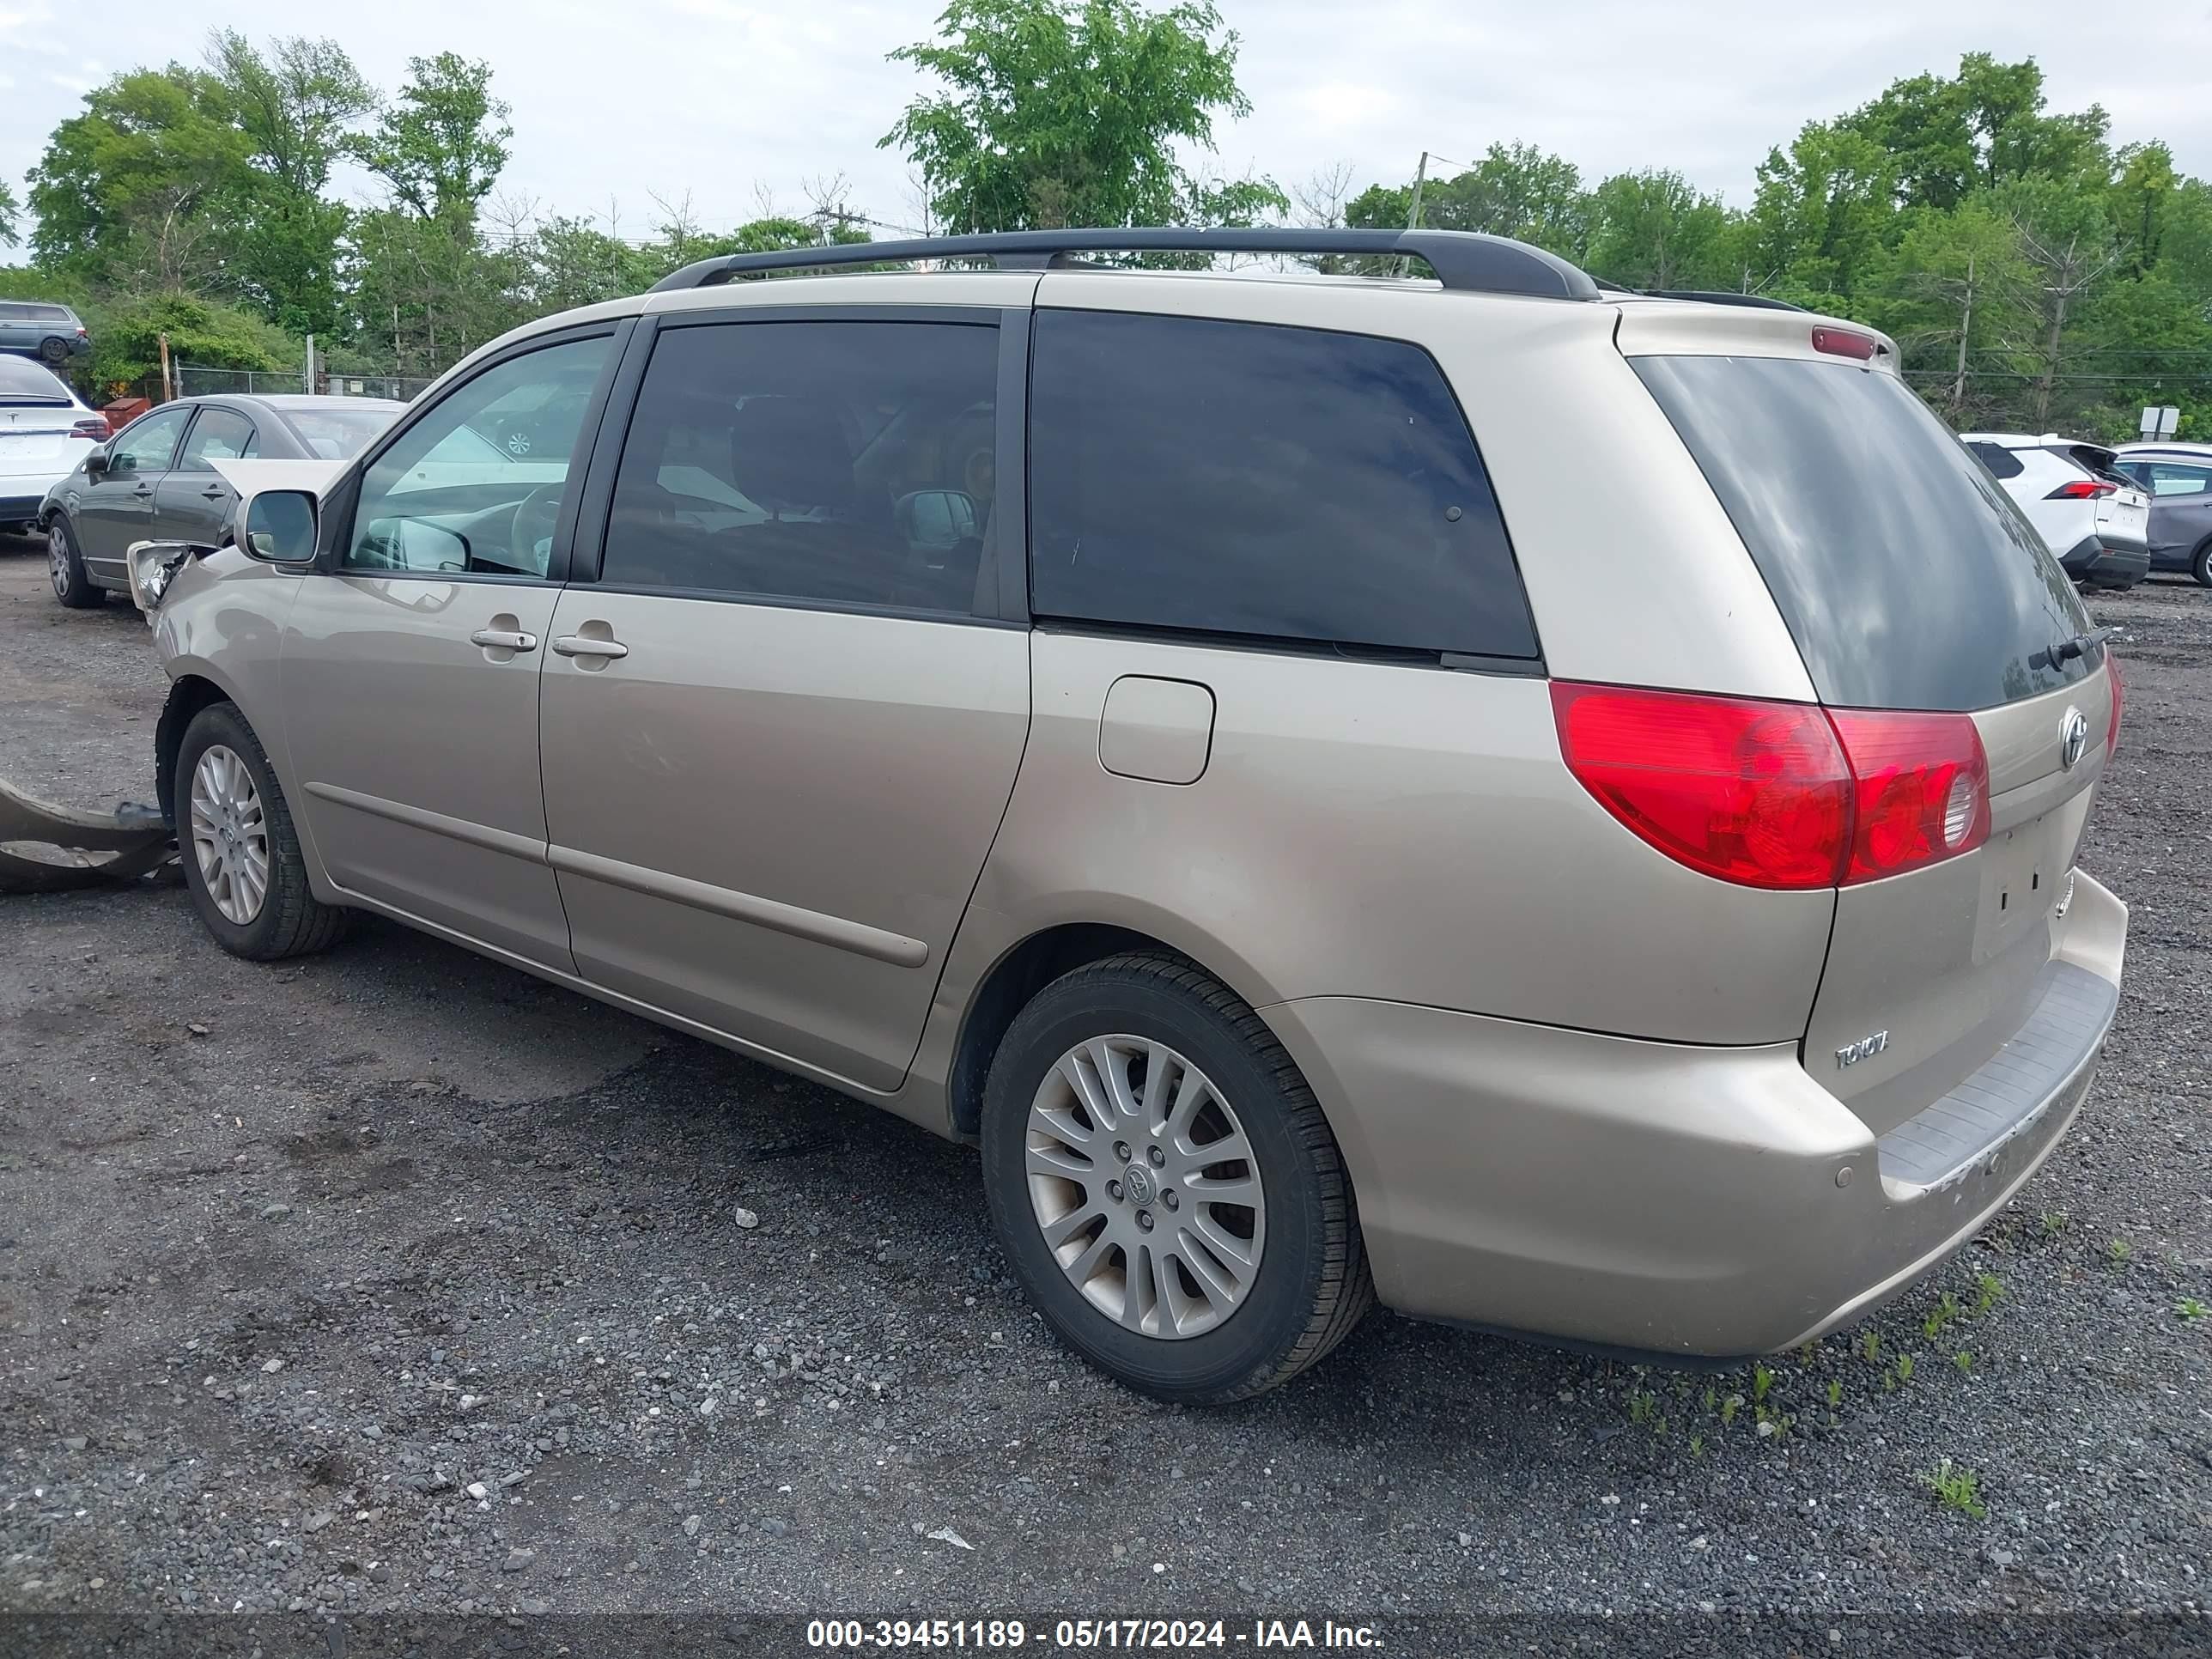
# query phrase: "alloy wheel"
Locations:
[[230, 837], [58, 559], [1144, 1186]]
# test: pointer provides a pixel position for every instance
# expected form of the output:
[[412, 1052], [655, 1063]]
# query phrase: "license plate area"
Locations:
[[2023, 874]]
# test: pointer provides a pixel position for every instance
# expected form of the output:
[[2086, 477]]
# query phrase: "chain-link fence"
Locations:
[[193, 381]]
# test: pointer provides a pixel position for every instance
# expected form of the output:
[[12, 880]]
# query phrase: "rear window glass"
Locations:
[[1908, 579], [20, 379], [337, 434], [1243, 478]]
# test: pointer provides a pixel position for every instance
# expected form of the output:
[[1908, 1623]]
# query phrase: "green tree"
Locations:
[[126, 344], [1068, 112], [573, 263], [1954, 293], [10, 209], [1983, 128], [1822, 212], [2144, 185], [1651, 229], [441, 143], [426, 291], [138, 190], [297, 107], [2071, 249]]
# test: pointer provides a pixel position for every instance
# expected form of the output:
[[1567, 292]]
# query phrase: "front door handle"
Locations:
[[582, 645], [214, 493], [503, 639], [143, 490]]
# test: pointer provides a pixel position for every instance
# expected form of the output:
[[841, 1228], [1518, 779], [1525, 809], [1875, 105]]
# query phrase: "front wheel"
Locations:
[[243, 865], [2201, 568], [1165, 1186], [73, 586]]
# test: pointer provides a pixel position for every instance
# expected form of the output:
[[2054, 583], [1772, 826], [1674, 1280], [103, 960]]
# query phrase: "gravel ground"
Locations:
[[392, 1279]]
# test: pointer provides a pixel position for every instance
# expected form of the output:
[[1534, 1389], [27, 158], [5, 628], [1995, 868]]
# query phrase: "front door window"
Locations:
[[455, 496]]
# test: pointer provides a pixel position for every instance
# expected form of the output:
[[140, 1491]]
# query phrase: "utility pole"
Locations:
[[1414, 207], [307, 372], [1966, 328], [169, 382]]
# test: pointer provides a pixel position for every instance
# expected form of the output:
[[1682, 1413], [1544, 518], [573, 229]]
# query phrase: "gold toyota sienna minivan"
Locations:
[[1550, 808]]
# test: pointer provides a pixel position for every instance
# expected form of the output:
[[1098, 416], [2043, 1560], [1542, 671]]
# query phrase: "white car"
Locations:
[[43, 430], [2094, 518]]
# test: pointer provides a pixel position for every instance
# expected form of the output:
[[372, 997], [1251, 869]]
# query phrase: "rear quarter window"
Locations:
[[2000, 461], [1907, 577], [1242, 478]]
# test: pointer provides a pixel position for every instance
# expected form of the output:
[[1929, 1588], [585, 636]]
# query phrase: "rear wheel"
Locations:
[[1165, 1186], [243, 864], [56, 352], [2201, 567], [66, 566]]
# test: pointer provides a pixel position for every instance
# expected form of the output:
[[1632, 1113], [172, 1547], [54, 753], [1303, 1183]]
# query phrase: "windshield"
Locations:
[[22, 381], [337, 434], [1906, 574]]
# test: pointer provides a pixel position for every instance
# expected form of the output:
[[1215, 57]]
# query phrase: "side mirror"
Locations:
[[96, 463], [280, 527], [938, 519]]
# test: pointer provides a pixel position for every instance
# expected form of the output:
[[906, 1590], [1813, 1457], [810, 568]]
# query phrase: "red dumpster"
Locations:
[[123, 411]]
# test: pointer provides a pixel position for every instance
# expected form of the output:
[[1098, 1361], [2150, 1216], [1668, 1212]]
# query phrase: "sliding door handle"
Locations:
[[583, 645]]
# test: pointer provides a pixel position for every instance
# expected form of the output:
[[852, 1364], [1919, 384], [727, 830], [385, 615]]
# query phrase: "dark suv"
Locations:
[[2179, 479]]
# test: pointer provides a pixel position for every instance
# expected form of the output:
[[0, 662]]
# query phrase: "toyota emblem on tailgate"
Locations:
[[2073, 737]]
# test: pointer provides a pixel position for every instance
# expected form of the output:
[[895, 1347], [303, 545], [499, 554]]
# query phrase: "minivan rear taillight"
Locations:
[[1779, 794], [1920, 789]]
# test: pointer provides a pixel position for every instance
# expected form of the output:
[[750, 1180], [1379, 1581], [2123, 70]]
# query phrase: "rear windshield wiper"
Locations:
[[2067, 650]]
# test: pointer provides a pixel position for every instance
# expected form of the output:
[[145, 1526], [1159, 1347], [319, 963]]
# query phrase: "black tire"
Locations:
[[72, 585], [1311, 1286], [54, 352], [2201, 567], [291, 922]]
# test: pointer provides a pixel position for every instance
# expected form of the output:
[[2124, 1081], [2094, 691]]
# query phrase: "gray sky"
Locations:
[[722, 99]]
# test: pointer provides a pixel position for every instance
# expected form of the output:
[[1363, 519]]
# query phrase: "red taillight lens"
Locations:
[[2112, 732], [2082, 489], [1779, 794], [1753, 793], [1842, 342], [93, 427], [1920, 789]]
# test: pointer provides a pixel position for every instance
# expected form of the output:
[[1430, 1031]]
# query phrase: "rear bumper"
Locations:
[[1673, 1199], [2107, 562], [23, 496]]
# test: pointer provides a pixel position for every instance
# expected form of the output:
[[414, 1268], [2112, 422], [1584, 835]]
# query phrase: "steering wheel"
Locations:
[[536, 516]]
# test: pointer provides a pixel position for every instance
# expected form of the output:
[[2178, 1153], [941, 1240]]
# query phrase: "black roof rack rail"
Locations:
[[1461, 259], [1720, 296]]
